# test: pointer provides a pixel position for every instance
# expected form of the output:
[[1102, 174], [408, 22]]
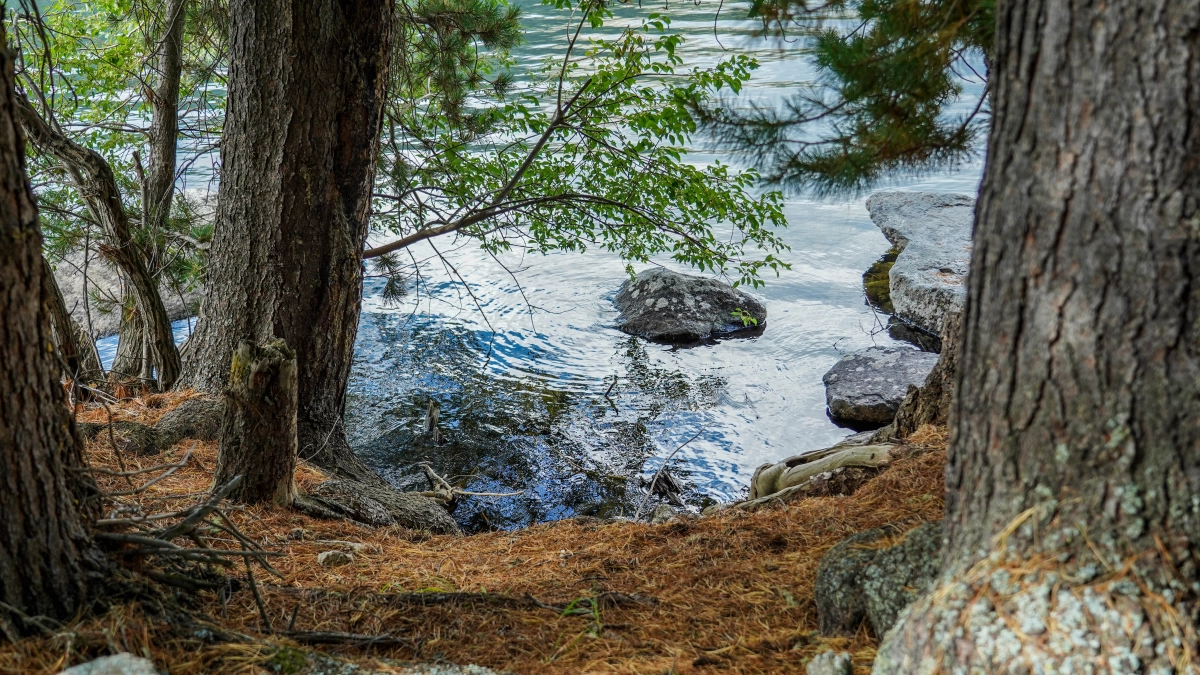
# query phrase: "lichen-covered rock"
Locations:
[[865, 578], [116, 664], [671, 307], [663, 513], [830, 663], [864, 389], [196, 418], [933, 233], [334, 558]]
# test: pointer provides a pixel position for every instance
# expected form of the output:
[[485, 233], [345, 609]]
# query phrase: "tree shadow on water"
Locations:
[[570, 447]]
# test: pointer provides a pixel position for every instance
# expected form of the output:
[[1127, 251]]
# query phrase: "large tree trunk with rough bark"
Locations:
[[258, 432], [94, 179], [46, 554], [307, 83], [1073, 484]]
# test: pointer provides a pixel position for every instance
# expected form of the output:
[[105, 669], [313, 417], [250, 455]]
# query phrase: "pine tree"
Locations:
[[888, 73]]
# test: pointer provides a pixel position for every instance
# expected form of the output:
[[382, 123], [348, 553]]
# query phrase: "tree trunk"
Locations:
[[131, 341], [307, 82], [258, 433], [61, 326], [164, 127], [78, 349], [45, 549], [97, 185], [158, 189], [1073, 515]]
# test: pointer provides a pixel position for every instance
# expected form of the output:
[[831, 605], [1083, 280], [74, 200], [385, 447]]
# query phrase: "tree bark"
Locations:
[[307, 83], [164, 127], [45, 549], [131, 341], [158, 189], [61, 326], [80, 358], [258, 433], [1073, 515], [94, 179]]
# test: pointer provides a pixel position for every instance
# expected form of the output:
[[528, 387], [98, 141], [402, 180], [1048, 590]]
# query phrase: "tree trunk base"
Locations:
[[1043, 616], [258, 432]]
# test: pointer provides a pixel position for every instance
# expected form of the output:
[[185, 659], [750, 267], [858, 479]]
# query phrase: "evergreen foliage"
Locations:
[[888, 71], [89, 69], [584, 149]]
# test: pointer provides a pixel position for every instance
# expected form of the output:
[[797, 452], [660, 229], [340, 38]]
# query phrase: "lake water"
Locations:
[[522, 397], [521, 385]]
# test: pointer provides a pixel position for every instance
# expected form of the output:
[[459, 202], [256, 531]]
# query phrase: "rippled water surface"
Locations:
[[521, 380], [539, 394]]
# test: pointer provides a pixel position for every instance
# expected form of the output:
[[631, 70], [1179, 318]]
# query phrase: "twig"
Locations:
[[155, 480], [353, 639], [137, 472], [200, 511], [246, 541], [262, 608], [650, 490], [112, 440]]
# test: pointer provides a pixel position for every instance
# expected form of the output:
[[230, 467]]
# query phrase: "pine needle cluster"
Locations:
[[889, 73]]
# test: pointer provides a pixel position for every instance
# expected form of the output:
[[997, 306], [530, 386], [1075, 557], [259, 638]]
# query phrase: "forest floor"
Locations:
[[731, 593]]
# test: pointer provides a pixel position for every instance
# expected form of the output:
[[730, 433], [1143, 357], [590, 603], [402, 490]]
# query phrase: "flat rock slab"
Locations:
[[865, 389], [104, 294], [933, 233], [671, 307]]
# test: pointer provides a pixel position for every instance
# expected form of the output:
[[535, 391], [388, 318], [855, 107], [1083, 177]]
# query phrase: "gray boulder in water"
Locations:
[[671, 307], [933, 232], [865, 389]]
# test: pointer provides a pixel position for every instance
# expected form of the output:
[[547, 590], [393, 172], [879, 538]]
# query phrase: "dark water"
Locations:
[[521, 385]]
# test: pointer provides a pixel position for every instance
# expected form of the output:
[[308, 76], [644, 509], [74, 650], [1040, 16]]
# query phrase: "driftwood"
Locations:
[[770, 479]]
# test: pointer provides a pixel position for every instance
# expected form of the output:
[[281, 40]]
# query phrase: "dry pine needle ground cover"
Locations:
[[730, 593]]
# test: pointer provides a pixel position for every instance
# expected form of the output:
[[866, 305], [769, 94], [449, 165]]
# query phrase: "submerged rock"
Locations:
[[671, 307], [865, 578], [864, 389], [933, 233]]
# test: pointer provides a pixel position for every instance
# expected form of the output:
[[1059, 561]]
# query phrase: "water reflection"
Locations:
[[568, 452], [523, 406]]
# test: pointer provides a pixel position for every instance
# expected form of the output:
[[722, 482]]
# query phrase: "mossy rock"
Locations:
[[877, 283]]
